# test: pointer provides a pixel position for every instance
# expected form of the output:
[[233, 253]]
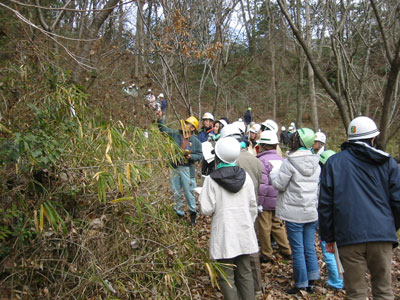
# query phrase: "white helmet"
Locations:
[[291, 128], [283, 128], [230, 130], [223, 122], [255, 128], [161, 95], [268, 137], [208, 116], [271, 125], [293, 125], [362, 128], [240, 120], [240, 125], [149, 90], [227, 149], [320, 137]]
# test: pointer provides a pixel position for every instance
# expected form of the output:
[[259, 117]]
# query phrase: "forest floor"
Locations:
[[277, 276]]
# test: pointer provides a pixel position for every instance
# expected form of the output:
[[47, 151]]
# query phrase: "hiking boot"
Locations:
[[286, 256], [310, 289], [294, 290], [265, 260], [193, 216], [179, 215]]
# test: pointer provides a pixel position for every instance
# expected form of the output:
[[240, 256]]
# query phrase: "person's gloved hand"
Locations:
[[260, 209]]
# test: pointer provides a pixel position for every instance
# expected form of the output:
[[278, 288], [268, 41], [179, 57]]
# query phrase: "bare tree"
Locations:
[[353, 79]]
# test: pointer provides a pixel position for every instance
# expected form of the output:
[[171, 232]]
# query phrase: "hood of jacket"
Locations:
[[304, 161], [230, 178], [365, 152]]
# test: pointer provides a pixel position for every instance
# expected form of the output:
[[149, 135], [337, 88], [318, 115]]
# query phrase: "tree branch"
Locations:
[[41, 18], [381, 29], [339, 102]]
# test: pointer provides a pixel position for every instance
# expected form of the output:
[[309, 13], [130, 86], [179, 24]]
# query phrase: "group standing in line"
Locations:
[[253, 194]]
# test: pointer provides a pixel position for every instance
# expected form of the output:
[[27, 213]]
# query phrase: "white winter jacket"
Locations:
[[233, 217], [297, 182]]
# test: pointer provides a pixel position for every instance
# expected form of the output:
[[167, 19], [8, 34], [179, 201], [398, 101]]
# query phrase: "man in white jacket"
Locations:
[[228, 195]]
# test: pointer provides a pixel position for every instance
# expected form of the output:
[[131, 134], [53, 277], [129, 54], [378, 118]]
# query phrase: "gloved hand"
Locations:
[[260, 209]]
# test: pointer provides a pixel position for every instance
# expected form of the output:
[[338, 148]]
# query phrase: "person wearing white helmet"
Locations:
[[254, 135], [268, 223], [319, 143], [359, 209], [207, 128], [228, 196], [272, 125], [218, 126], [151, 99], [231, 130], [208, 166], [240, 124], [269, 125], [163, 105]]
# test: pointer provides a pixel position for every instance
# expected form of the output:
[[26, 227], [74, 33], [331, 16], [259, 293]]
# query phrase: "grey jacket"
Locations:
[[251, 165], [297, 183]]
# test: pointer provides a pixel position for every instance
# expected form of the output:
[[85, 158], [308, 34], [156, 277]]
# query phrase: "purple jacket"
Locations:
[[267, 194]]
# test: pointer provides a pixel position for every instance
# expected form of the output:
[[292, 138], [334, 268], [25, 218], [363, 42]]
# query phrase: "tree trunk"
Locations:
[[92, 33], [272, 52], [310, 72], [324, 82], [139, 37]]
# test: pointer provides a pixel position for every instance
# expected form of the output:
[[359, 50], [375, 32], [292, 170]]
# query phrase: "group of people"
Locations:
[[156, 103], [253, 193]]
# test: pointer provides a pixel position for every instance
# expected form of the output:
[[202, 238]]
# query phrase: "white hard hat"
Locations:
[[240, 120], [123, 82], [230, 130], [271, 125], [268, 137], [240, 125], [227, 149], [223, 122], [255, 128], [292, 124], [290, 127], [161, 95], [362, 128], [320, 137], [283, 128], [149, 90], [208, 116]]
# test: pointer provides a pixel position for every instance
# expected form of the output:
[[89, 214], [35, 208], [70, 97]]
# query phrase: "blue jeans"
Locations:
[[302, 241], [180, 178], [334, 279]]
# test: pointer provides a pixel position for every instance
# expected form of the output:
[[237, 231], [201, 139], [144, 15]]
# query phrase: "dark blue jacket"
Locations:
[[359, 200], [247, 117], [204, 133], [164, 105]]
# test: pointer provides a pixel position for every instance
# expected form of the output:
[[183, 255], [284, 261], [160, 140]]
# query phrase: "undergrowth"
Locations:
[[84, 210]]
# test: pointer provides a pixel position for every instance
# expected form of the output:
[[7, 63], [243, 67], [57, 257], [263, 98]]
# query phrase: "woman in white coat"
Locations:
[[228, 195], [297, 183]]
